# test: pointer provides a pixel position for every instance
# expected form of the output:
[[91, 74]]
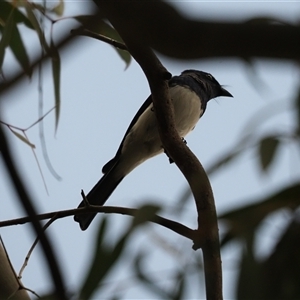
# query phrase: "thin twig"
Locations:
[[33, 246], [86, 202], [172, 225], [27, 128]]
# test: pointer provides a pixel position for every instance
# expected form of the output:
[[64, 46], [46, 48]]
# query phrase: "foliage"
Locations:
[[273, 277]]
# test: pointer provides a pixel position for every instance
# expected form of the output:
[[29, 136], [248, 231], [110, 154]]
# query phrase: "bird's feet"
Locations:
[[170, 159]]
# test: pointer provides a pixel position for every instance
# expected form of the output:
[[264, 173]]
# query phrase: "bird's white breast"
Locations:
[[143, 141], [187, 109]]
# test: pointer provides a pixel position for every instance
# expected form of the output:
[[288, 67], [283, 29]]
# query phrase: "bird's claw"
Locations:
[[170, 159]]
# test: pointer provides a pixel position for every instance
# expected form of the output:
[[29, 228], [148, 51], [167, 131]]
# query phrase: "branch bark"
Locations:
[[176, 36], [172, 225]]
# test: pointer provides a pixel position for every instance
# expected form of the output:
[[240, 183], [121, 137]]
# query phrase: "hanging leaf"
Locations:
[[59, 9], [103, 28], [147, 281], [55, 59], [91, 280], [36, 25], [6, 8], [245, 220], [144, 214], [17, 46], [22, 138], [267, 150], [104, 259], [280, 272], [297, 108], [6, 35], [249, 275]]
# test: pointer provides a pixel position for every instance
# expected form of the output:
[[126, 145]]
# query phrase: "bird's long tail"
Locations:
[[98, 195]]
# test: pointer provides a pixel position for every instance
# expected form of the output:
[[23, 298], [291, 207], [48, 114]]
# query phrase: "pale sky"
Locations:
[[99, 99]]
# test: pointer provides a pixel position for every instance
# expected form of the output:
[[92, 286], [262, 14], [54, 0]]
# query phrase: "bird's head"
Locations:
[[208, 83]]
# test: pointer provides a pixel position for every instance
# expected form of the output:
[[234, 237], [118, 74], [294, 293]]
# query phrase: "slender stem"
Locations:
[[172, 225]]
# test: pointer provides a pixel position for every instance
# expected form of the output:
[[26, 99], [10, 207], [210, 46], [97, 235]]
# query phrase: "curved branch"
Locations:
[[176, 36], [207, 236]]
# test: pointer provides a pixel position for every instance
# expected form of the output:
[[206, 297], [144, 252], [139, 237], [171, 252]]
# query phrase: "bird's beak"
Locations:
[[225, 93]]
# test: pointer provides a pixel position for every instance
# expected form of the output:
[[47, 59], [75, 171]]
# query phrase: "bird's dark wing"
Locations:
[[113, 161]]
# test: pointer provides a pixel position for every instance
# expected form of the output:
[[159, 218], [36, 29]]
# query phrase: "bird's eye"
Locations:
[[209, 76]]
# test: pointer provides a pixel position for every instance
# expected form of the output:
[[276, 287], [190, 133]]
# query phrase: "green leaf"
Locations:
[[267, 150], [245, 220], [297, 108], [6, 35], [55, 59], [36, 25], [281, 270], [225, 159], [147, 280], [107, 30], [144, 214], [22, 138], [6, 8], [249, 273], [104, 259], [179, 287], [91, 280], [110, 32], [17, 46], [59, 8]]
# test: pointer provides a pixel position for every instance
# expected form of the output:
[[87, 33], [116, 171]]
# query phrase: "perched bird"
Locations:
[[190, 92]]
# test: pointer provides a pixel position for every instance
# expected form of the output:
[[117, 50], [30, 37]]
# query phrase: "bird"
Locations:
[[190, 91]]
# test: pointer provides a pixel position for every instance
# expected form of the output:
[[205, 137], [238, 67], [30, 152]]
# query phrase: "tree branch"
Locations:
[[172, 225], [207, 234], [27, 205], [176, 36]]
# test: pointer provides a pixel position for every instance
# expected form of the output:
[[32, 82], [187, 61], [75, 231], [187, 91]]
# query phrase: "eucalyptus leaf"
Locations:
[[267, 150], [144, 214], [146, 280], [105, 257], [242, 221], [22, 138], [281, 270], [297, 108], [249, 273], [6, 35], [103, 28], [35, 24], [55, 60], [59, 8], [100, 254], [17, 46], [6, 8]]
